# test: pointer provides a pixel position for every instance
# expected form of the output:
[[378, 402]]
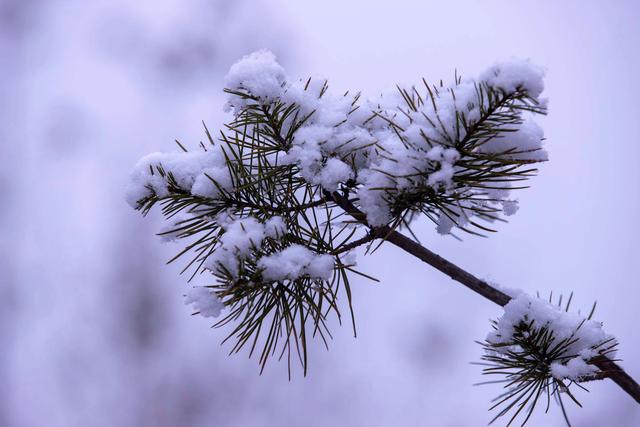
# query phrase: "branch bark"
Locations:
[[607, 366]]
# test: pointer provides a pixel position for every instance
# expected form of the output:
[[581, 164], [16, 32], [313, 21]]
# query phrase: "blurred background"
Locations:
[[93, 328]]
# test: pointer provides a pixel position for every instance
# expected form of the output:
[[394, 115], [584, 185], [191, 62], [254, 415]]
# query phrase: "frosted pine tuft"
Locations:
[[261, 206], [543, 348]]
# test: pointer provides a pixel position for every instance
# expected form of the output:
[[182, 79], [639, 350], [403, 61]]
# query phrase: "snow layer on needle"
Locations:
[[341, 141], [204, 301], [514, 74], [524, 144], [259, 74], [588, 334], [294, 262], [341, 127], [241, 236], [192, 172], [210, 181]]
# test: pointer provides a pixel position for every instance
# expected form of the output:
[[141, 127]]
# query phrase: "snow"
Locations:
[[189, 169], [275, 227], [204, 301], [241, 236], [209, 182], [525, 143], [244, 237], [574, 369], [444, 224], [350, 259], [259, 74], [294, 262], [514, 74], [332, 174], [510, 207], [588, 334]]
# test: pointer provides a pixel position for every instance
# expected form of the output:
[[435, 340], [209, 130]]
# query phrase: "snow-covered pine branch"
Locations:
[[541, 349], [274, 205]]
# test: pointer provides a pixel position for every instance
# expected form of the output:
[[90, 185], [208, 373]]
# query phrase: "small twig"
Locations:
[[371, 235]]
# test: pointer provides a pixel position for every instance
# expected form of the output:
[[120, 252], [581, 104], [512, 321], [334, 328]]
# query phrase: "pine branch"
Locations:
[[618, 375], [369, 237], [275, 208]]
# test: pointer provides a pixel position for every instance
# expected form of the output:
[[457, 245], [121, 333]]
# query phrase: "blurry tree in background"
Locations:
[[14, 24], [87, 335]]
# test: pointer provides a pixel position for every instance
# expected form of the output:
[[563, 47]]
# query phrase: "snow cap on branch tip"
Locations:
[[258, 73], [513, 74], [186, 168], [204, 301], [585, 338]]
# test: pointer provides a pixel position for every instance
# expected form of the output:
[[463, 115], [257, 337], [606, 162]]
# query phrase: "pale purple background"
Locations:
[[93, 330]]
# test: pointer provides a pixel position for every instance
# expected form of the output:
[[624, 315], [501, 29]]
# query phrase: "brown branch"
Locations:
[[618, 375], [371, 236], [608, 367]]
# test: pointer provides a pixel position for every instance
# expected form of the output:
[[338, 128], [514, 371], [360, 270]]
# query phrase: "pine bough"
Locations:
[[274, 207]]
